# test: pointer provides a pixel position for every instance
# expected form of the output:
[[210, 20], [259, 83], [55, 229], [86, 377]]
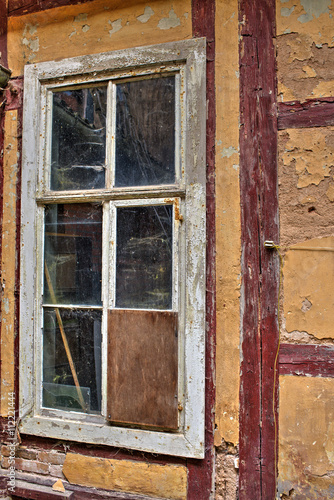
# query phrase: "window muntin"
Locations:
[[185, 62]]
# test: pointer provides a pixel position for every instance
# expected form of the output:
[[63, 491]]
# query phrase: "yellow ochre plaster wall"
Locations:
[[306, 442], [305, 47], [227, 222], [95, 27]]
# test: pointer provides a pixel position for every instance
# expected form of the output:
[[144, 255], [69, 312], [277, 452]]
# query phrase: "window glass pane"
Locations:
[[144, 257], [145, 132], [78, 139], [73, 254], [72, 359]]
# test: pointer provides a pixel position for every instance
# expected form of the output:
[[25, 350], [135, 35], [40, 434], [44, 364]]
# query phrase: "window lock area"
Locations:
[[112, 324]]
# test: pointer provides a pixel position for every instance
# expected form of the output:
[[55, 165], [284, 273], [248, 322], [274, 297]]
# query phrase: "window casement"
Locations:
[[112, 311]]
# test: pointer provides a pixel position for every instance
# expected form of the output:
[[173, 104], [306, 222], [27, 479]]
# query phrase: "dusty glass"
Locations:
[[73, 254], [144, 263], [78, 144], [145, 132], [72, 359]]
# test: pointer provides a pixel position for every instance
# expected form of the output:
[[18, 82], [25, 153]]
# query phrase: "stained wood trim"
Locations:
[[260, 267], [200, 472], [306, 360], [311, 113], [21, 7]]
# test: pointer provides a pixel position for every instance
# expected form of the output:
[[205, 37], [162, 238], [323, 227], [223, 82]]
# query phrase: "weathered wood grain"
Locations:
[[311, 113], [306, 360], [143, 368], [259, 216]]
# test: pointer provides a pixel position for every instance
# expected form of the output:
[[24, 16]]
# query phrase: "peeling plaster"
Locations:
[[172, 21], [116, 26], [314, 8], [307, 151], [228, 152], [285, 12], [148, 13]]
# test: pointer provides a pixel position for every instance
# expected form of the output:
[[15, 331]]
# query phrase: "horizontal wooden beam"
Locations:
[[21, 7], [311, 113], [306, 360]]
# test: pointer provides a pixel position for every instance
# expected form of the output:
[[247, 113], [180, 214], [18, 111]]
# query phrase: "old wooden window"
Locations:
[[113, 249]]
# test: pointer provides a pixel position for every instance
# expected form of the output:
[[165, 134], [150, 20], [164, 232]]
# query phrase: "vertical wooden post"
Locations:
[[200, 472], [260, 266]]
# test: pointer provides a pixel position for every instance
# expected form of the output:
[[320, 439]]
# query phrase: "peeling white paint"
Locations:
[[172, 21], [148, 13], [116, 26]]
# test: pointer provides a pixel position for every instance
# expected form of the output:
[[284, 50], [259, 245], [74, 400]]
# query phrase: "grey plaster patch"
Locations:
[[285, 12], [228, 152], [314, 8], [172, 21], [116, 26], [148, 13]]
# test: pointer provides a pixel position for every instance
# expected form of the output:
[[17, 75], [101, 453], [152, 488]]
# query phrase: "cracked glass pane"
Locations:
[[145, 132], [78, 146]]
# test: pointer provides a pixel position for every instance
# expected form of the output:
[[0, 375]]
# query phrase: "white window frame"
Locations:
[[188, 59]]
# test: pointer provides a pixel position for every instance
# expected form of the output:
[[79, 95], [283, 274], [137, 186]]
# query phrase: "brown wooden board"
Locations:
[[311, 113], [306, 360], [143, 368], [260, 267]]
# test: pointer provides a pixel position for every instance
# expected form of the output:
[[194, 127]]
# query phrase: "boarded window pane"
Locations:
[[142, 368], [144, 257], [73, 254], [81, 331], [145, 135], [78, 139]]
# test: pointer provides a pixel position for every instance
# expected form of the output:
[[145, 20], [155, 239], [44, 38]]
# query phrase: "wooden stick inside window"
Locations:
[[64, 338]]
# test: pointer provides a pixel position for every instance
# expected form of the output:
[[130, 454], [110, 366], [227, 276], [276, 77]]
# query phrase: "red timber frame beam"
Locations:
[[260, 266], [311, 113], [21, 7], [200, 472], [306, 360]]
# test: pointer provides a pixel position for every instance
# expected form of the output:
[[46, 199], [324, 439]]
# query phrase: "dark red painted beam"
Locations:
[[307, 360], [20, 7], [311, 113], [3, 33], [260, 266], [200, 472]]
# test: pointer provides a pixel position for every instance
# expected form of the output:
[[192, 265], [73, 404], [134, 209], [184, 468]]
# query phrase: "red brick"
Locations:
[[27, 454], [4, 451], [52, 457], [31, 466], [57, 471]]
